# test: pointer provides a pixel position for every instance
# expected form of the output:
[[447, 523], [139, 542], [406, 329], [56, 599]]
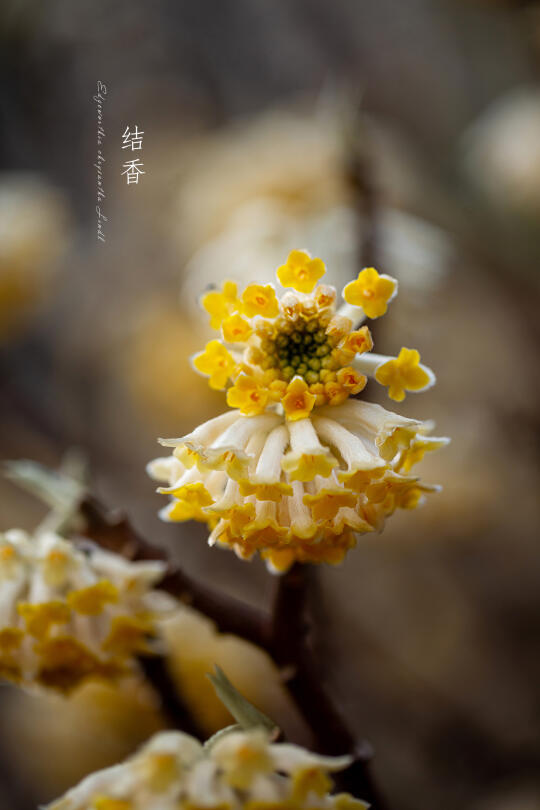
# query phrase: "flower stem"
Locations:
[[290, 644]]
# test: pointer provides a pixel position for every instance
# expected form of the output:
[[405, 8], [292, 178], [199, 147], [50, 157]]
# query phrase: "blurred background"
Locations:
[[405, 135]]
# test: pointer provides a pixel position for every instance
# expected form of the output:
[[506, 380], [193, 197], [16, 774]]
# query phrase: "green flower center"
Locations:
[[302, 349]]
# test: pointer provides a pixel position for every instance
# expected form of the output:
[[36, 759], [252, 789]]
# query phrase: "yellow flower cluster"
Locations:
[[241, 770], [295, 490], [299, 351], [301, 466], [67, 614]]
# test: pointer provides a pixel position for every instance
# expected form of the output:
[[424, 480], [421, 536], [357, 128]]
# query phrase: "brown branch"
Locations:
[[360, 173], [114, 532], [290, 644], [174, 711]]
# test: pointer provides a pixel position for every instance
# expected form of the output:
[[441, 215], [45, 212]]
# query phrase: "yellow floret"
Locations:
[[300, 272], [220, 305], [311, 780], [260, 300], [357, 342], [417, 450], [161, 771], [215, 362], [181, 510], [40, 616], [236, 329], [195, 494], [247, 395], [359, 480], [403, 373], [351, 380], [335, 392], [326, 504], [56, 567], [371, 291], [298, 402], [128, 635], [243, 762], [91, 600], [10, 638], [305, 466], [266, 492]]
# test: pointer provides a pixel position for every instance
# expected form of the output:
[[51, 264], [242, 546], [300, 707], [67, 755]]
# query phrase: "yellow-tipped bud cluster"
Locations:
[[238, 770], [69, 614]]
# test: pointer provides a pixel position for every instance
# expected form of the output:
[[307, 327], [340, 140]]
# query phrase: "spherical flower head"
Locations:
[[241, 770], [303, 466], [300, 271], [67, 614], [371, 291]]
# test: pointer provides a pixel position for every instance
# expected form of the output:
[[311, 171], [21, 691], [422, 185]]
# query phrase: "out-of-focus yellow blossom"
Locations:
[[500, 152], [68, 614], [194, 646], [258, 186], [221, 305], [242, 770], [371, 291], [112, 718], [154, 376], [217, 363], [302, 468], [300, 271], [236, 329], [33, 221]]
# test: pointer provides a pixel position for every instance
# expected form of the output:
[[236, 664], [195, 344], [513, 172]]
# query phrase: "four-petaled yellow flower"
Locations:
[[298, 402], [301, 272], [220, 305], [236, 329], [404, 373], [371, 291], [247, 395], [259, 300], [215, 362]]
